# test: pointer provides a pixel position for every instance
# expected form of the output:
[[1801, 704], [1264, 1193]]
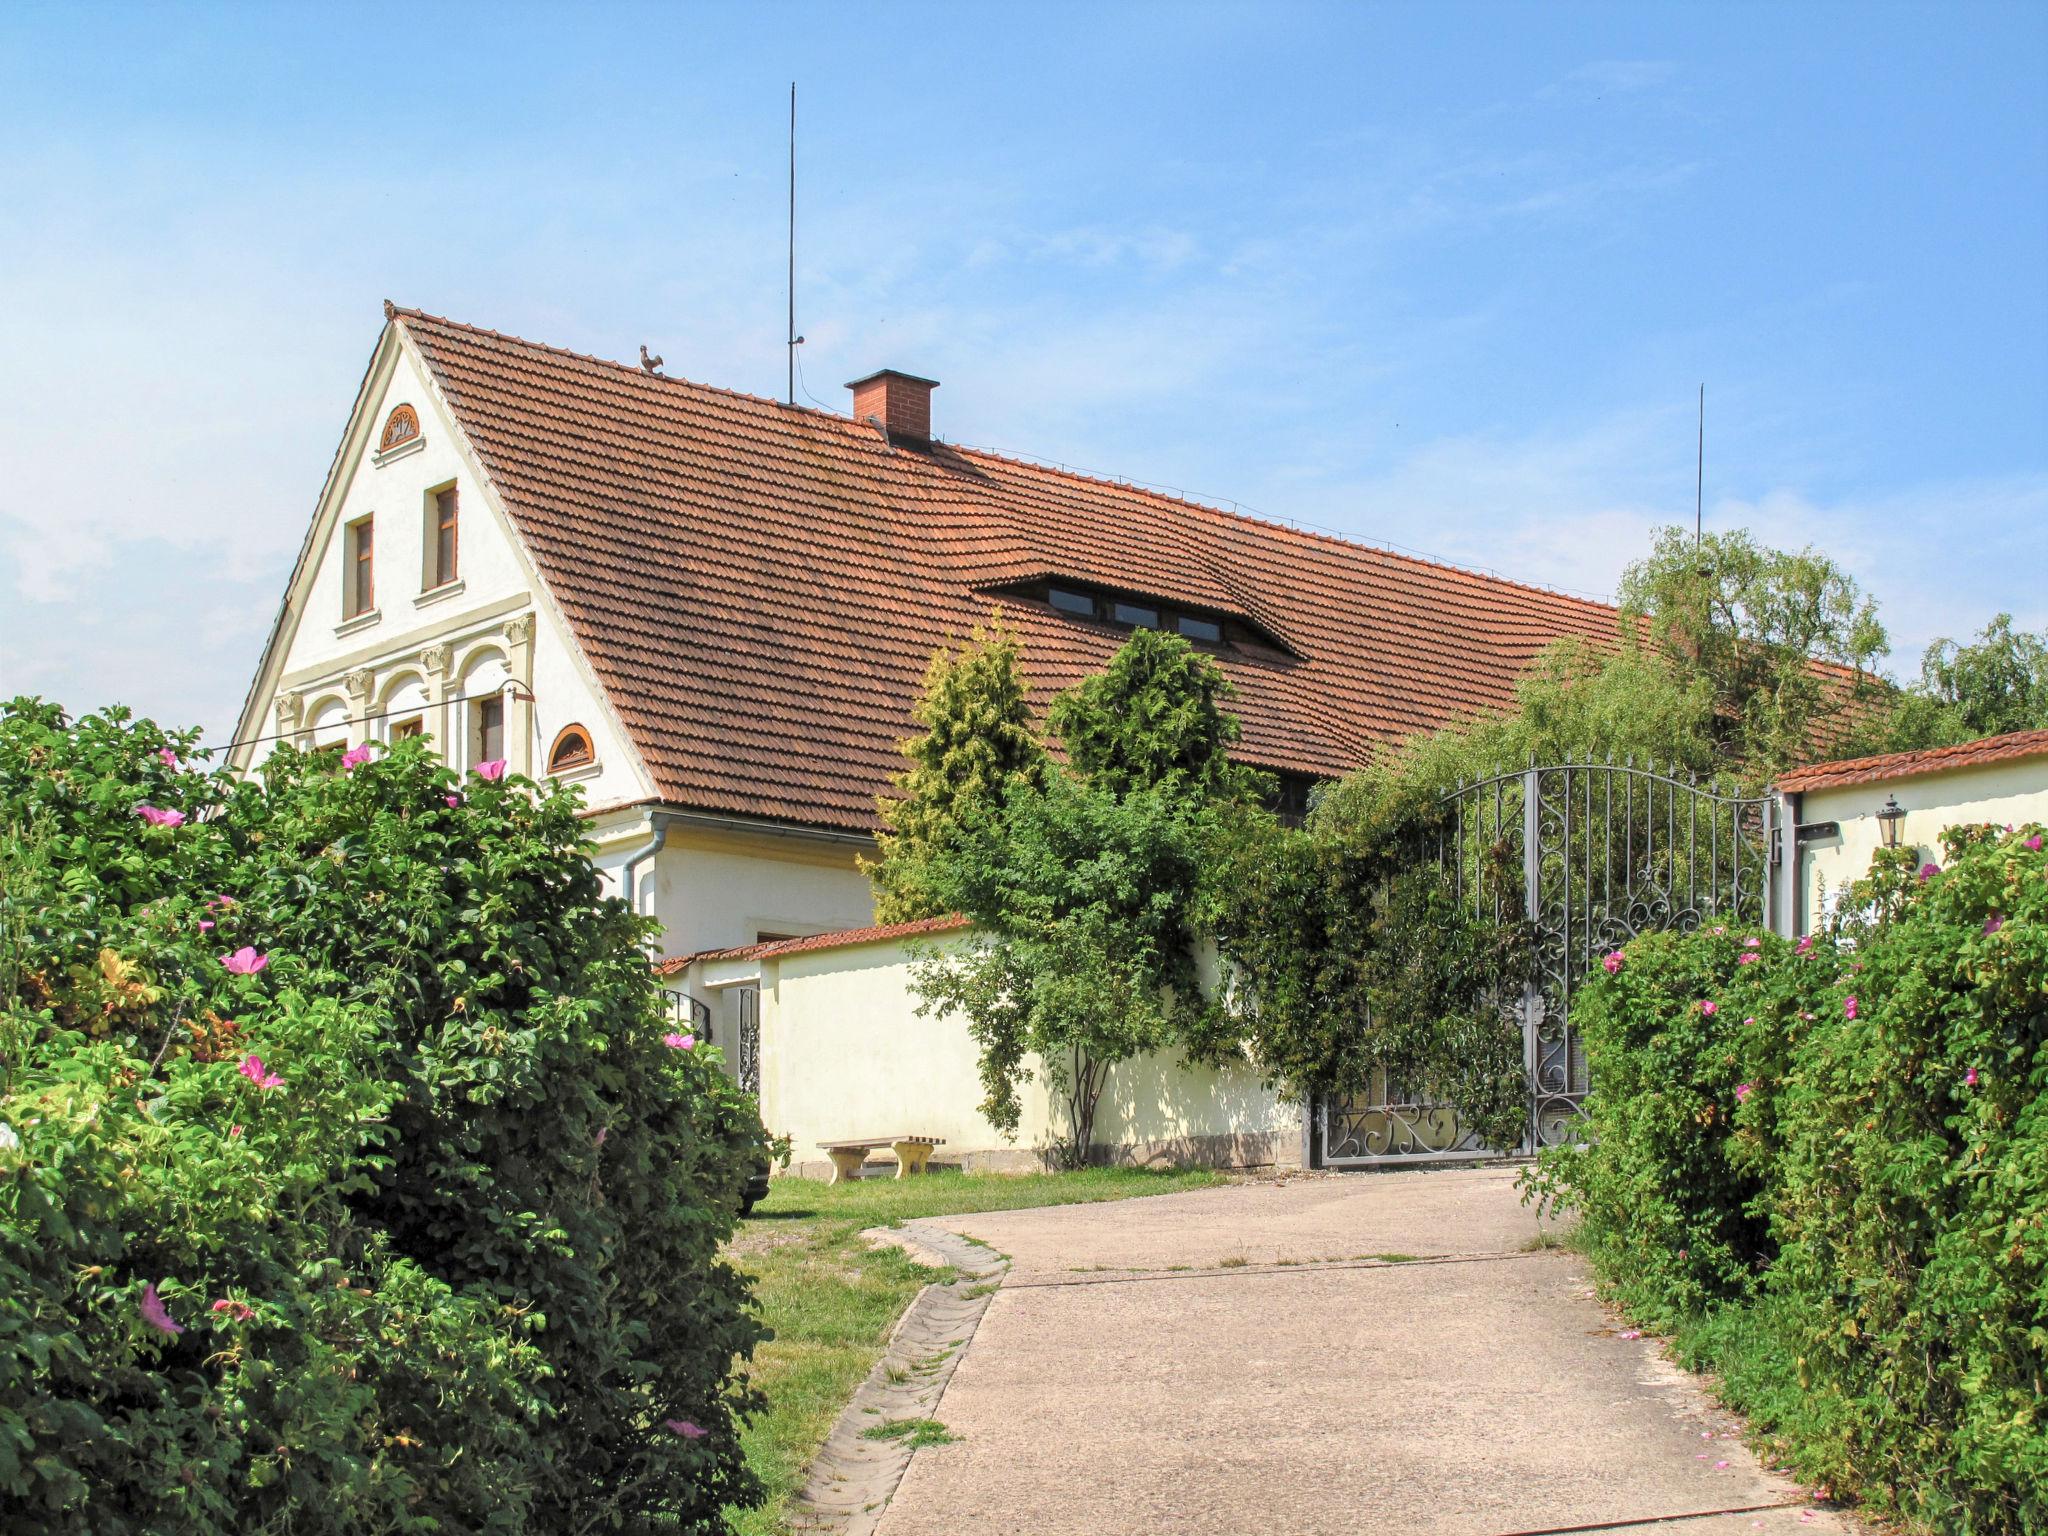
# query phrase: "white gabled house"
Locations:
[[713, 612]]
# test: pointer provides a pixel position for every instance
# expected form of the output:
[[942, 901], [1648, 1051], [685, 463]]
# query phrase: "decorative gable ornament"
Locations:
[[400, 427]]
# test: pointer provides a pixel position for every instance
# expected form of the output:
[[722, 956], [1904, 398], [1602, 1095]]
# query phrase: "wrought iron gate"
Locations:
[[1589, 855]]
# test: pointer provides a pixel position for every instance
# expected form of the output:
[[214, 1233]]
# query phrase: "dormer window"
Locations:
[[1138, 610], [1067, 600]]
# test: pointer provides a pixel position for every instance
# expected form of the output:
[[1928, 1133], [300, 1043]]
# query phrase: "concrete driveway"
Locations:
[[1368, 1353]]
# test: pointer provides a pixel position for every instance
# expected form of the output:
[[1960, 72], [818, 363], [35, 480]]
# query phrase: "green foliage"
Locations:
[[1747, 623], [1085, 905], [1996, 685], [977, 739], [446, 1260], [1858, 1242], [1353, 967], [1155, 719]]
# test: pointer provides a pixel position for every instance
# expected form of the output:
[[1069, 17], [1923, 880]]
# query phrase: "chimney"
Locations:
[[901, 402]]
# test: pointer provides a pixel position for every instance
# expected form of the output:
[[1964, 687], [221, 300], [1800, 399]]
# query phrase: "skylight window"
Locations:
[[1206, 630], [1136, 615]]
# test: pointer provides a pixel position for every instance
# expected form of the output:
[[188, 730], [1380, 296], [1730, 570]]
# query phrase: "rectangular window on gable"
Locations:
[[359, 581], [1206, 630], [489, 735], [1067, 600], [439, 566], [1137, 615]]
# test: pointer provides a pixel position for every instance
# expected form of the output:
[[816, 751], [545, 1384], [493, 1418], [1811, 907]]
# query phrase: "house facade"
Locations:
[[712, 612]]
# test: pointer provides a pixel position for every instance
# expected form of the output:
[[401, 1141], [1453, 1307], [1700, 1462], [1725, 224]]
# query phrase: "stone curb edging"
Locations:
[[852, 1479]]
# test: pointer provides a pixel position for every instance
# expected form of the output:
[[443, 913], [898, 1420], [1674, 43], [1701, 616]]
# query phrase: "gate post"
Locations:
[[1532, 902]]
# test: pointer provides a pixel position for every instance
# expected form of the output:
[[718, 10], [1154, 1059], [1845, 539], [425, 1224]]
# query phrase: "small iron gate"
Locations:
[[1589, 855], [694, 1015]]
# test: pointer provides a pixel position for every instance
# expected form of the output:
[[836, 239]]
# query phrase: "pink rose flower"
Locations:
[[494, 769], [1752, 942], [252, 1068], [245, 961], [1970, 1078], [236, 1311], [1710, 1008], [1748, 957], [1849, 1006], [160, 818], [454, 801], [1805, 945], [168, 758], [1993, 923], [1743, 1091], [684, 1429], [1928, 872], [1612, 963], [2033, 843], [356, 756], [206, 925], [678, 1042], [156, 1314]]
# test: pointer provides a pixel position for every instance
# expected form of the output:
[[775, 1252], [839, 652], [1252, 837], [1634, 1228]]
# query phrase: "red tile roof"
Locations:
[[1909, 765], [760, 586], [675, 965]]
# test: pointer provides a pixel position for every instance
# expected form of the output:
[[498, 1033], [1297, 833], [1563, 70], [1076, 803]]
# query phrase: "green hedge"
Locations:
[[415, 1227], [1825, 1168]]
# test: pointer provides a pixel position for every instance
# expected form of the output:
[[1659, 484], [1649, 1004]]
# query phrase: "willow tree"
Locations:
[[976, 745]]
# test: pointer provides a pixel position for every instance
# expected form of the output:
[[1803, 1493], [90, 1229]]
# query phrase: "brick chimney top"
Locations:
[[902, 402]]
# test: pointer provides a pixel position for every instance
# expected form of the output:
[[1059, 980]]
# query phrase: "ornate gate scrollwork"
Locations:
[[1590, 855]]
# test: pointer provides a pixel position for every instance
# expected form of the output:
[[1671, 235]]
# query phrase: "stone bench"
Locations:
[[848, 1157]]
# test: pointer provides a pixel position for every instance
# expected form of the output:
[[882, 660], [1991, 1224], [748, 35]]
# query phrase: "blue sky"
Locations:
[[1445, 277]]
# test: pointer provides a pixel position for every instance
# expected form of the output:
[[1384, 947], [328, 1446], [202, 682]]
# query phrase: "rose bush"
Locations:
[[346, 1180], [1833, 1186]]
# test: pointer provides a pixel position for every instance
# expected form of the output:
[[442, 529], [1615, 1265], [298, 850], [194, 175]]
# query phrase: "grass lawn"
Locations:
[[832, 1299]]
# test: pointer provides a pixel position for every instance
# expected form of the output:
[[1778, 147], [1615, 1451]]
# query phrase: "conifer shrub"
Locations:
[[1834, 1186], [352, 1177]]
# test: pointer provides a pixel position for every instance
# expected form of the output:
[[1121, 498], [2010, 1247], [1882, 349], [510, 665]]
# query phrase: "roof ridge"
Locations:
[[1233, 513], [631, 370]]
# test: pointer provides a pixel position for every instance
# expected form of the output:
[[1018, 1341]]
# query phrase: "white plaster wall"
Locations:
[[713, 889], [844, 1053], [2000, 793], [395, 494]]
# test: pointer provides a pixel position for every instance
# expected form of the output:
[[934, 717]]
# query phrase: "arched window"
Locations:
[[572, 749], [401, 426]]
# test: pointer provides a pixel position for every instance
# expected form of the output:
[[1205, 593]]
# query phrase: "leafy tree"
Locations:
[[1996, 685], [1155, 719], [978, 739], [1085, 906], [1577, 702], [1086, 889], [1759, 630], [348, 1181]]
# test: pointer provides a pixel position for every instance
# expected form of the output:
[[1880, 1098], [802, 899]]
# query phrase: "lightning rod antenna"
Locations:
[[792, 242], [1699, 482]]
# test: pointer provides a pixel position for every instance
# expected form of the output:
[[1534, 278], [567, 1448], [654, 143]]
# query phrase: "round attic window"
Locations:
[[401, 426]]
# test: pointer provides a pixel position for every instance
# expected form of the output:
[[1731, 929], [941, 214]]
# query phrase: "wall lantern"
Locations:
[[1888, 818]]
